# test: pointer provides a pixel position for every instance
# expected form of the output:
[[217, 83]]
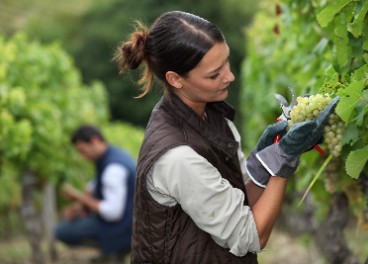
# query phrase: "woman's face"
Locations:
[[210, 79]]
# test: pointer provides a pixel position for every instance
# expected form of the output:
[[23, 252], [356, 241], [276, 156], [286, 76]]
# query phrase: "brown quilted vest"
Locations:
[[164, 234]]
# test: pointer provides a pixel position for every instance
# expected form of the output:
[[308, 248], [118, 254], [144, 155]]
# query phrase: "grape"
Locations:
[[309, 108], [331, 175]]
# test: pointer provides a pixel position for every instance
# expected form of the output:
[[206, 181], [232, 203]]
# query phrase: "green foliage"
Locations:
[[356, 161], [42, 101], [313, 47], [10, 189], [90, 30], [124, 135]]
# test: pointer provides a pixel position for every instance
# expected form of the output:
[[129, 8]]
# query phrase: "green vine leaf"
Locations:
[[328, 13], [365, 39], [351, 134], [341, 40], [356, 27], [349, 97], [361, 111], [356, 161], [361, 73]]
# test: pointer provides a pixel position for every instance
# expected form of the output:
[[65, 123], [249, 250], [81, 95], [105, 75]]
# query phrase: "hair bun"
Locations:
[[133, 51]]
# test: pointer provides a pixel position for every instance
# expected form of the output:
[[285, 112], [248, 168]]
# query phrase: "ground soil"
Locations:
[[281, 249], [285, 249]]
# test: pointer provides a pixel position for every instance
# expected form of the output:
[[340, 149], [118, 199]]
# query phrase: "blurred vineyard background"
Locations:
[[56, 73]]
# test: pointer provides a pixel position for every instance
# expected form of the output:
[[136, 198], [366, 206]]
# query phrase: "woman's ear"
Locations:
[[174, 79]]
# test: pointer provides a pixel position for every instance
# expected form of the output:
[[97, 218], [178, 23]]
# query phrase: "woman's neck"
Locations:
[[198, 107]]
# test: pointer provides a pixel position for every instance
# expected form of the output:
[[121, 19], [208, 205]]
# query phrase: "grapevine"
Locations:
[[363, 185], [309, 108], [331, 175], [329, 57]]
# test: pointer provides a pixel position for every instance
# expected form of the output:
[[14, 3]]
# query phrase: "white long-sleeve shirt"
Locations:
[[183, 176], [115, 191]]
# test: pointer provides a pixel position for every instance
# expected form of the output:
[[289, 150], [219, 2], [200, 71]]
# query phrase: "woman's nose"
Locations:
[[229, 77]]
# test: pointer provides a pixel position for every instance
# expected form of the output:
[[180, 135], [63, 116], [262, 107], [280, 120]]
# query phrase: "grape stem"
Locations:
[[325, 163]]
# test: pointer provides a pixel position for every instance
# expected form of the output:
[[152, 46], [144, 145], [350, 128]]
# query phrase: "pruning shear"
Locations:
[[285, 106], [286, 110]]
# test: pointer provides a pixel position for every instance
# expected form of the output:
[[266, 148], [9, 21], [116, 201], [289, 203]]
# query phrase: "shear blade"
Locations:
[[281, 100], [294, 96]]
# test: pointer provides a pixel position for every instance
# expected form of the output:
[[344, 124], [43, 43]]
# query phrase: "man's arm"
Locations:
[[74, 210], [114, 190], [83, 198]]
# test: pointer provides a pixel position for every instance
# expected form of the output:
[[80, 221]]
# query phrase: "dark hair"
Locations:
[[85, 133], [177, 41]]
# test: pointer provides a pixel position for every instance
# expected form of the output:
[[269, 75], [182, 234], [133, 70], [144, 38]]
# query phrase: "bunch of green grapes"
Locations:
[[331, 174], [309, 108]]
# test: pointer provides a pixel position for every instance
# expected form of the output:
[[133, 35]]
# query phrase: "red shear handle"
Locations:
[[316, 147], [278, 137], [320, 150]]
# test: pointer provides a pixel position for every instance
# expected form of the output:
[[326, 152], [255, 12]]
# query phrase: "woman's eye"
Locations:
[[213, 77]]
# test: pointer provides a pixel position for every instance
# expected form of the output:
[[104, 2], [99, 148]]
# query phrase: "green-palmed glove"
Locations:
[[303, 136], [270, 133], [282, 159], [256, 172]]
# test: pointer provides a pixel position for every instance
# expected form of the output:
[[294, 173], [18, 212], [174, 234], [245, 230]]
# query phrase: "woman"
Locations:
[[193, 201]]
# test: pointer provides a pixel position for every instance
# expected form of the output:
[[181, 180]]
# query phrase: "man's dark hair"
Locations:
[[85, 133]]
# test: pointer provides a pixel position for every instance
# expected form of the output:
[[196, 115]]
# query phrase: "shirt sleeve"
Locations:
[[210, 200], [91, 186], [241, 156], [114, 181]]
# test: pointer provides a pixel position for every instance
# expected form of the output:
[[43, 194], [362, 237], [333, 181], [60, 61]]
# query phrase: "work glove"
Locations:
[[282, 159], [255, 170]]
